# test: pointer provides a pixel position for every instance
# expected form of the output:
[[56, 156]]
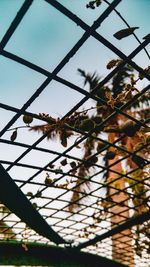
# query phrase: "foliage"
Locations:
[[93, 4], [133, 140], [5, 230]]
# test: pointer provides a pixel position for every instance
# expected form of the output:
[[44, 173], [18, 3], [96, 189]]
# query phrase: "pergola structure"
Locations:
[[36, 222]]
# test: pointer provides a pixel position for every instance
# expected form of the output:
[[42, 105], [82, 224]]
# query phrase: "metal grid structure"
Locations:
[[76, 228]]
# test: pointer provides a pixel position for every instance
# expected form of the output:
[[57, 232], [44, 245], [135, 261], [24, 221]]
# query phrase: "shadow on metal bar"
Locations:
[[128, 224], [43, 255], [13, 198]]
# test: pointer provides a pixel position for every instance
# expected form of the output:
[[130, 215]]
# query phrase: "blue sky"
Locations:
[[44, 37]]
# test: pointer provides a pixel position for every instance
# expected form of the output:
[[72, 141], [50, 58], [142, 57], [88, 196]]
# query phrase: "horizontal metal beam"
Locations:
[[12, 253]]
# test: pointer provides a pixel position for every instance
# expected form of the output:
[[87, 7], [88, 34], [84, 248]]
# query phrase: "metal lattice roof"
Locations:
[[39, 176]]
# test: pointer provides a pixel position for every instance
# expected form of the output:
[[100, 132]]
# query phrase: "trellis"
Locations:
[[53, 210]]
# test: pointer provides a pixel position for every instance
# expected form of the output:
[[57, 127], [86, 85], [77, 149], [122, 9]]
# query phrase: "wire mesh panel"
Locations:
[[74, 130]]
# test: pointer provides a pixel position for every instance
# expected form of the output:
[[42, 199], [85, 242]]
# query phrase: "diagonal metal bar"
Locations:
[[128, 224], [78, 21], [127, 24], [24, 8], [68, 83], [60, 66], [12, 197], [105, 42]]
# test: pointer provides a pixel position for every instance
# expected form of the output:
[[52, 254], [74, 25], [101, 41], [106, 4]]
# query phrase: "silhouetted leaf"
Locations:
[[63, 162], [130, 128], [93, 4], [73, 164], [63, 138], [29, 194], [110, 155], [146, 36], [124, 32], [34, 205], [140, 162], [87, 125], [48, 181], [13, 136], [27, 119], [113, 63], [38, 194]]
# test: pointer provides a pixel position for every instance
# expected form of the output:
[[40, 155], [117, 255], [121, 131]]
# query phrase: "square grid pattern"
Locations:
[[48, 173]]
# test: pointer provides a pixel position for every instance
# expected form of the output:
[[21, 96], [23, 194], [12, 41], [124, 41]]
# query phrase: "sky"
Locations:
[[45, 36]]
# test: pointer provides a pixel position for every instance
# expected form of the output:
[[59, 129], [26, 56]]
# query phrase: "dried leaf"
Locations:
[[140, 162], [13, 136], [100, 146], [110, 100], [91, 161], [113, 63], [51, 166], [58, 171], [63, 162], [110, 155], [97, 119], [51, 120], [63, 138], [92, 4], [38, 194], [48, 129], [73, 164], [87, 125], [147, 70], [130, 128], [29, 194], [48, 181]]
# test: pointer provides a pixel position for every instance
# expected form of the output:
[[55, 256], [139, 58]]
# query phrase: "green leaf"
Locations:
[[27, 119]]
